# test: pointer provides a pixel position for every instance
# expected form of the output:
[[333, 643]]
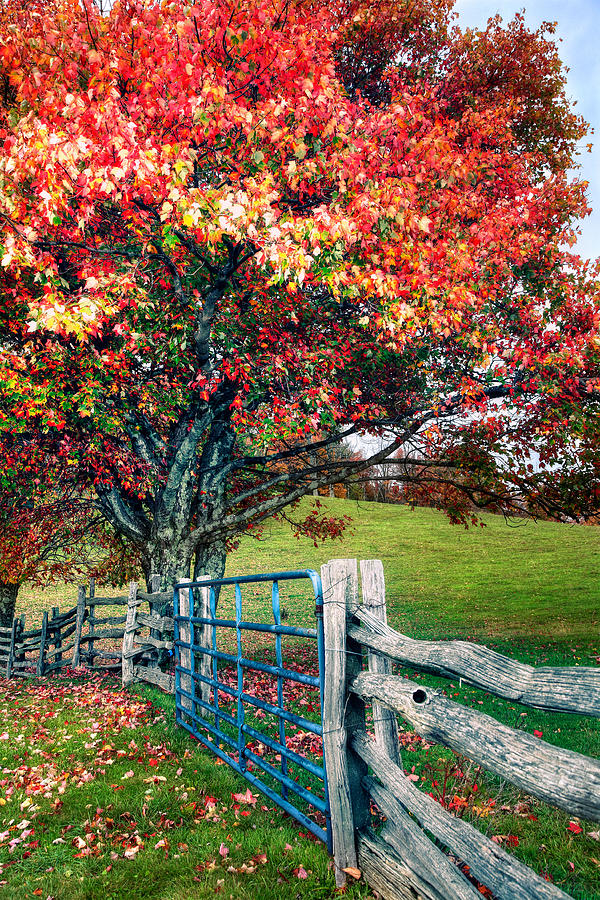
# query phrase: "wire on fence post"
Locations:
[[340, 588]]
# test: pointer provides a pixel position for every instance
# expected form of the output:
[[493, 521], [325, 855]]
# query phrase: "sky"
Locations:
[[578, 27]]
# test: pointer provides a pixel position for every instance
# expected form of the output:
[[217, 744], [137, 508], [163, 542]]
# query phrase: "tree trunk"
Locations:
[[8, 599], [169, 559], [210, 560]]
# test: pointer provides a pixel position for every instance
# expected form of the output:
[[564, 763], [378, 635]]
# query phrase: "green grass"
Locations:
[[507, 580], [108, 798], [504, 580], [527, 589]]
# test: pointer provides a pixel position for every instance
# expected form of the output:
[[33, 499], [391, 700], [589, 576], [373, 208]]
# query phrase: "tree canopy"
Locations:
[[238, 231]]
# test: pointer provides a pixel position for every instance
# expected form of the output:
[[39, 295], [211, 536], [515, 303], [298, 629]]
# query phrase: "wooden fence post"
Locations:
[[185, 653], [348, 801], [79, 625], [44, 631], [373, 598], [20, 653], [57, 635], [127, 674], [204, 640], [92, 623], [155, 609], [11, 652]]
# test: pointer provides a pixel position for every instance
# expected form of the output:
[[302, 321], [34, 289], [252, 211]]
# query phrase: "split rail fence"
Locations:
[[91, 633], [401, 862]]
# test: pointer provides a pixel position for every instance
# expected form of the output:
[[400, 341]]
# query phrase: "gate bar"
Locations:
[[244, 754]]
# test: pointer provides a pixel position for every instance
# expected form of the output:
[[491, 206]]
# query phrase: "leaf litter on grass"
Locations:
[[101, 796]]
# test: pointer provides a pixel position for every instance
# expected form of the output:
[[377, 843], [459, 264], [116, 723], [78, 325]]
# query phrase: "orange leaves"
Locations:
[[220, 202]]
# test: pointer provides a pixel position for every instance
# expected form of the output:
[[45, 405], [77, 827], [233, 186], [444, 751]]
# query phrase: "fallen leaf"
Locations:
[[351, 870]]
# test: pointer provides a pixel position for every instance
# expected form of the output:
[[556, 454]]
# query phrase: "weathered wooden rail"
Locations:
[[401, 862]]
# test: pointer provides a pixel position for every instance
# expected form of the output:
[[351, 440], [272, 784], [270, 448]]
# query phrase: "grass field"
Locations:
[[503, 580], [527, 589]]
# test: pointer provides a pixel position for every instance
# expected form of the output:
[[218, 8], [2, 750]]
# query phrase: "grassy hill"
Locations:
[[507, 580]]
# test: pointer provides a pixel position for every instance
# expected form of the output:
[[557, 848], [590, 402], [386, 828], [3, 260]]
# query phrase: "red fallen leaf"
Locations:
[[512, 840], [260, 858], [247, 797], [210, 801], [574, 827], [571, 866], [223, 850], [300, 872], [538, 733], [153, 762]]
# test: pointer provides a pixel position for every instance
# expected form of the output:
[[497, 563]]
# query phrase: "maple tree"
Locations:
[[237, 232]]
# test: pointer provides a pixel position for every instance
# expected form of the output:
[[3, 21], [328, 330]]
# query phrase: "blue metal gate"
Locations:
[[205, 693]]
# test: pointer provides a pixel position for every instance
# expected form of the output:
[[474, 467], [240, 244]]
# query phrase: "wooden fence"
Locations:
[[147, 637], [401, 862], [82, 635]]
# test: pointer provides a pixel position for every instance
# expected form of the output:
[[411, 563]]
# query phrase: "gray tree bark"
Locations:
[[8, 600]]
